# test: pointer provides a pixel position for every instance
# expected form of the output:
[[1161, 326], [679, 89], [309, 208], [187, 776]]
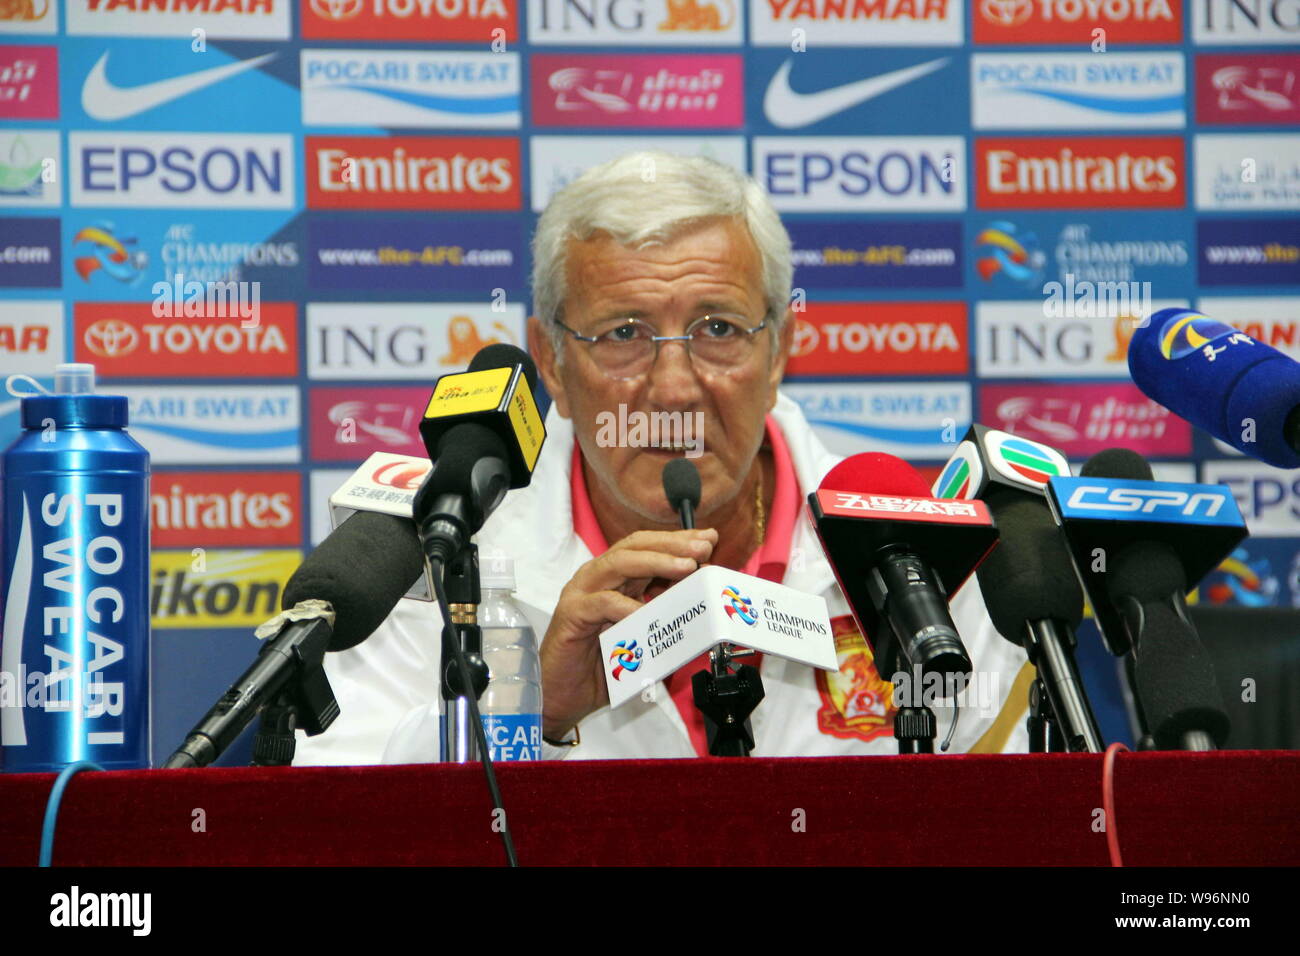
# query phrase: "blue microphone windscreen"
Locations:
[[1219, 379]]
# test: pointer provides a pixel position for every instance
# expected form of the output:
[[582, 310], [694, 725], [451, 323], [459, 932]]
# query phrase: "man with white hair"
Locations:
[[661, 286]]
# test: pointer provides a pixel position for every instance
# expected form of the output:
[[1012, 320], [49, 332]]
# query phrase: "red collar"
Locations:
[[772, 557]]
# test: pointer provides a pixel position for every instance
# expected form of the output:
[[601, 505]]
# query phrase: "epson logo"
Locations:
[[1146, 501], [151, 170], [884, 173]]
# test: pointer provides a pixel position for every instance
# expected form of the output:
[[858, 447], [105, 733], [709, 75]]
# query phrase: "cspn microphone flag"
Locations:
[[1241, 391], [1101, 517], [497, 393]]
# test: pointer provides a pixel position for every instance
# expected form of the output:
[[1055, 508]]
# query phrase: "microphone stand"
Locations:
[[286, 683], [1044, 732], [726, 700], [1051, 650], [459, 744]]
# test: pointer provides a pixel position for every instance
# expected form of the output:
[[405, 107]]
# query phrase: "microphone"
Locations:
[[1029, 585], [1240, 390], [895, 550], [484, 433], [682, 489], [360, 571], [1143, 541]]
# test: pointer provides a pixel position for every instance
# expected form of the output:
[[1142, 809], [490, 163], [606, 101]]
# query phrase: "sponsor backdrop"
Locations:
[[984, 197]]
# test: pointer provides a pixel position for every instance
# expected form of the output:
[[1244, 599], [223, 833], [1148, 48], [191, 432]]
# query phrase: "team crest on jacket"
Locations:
[[856, 703]]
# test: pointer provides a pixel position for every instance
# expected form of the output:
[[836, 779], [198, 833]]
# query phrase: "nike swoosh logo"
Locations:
[[102, 100], [790, 110]]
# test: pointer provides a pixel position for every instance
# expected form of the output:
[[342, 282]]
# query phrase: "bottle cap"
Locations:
[[496, 571], [74, 402], [74, 378]]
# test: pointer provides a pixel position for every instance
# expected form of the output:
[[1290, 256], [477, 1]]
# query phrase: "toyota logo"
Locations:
[[111, 338], [336, 9], [1007, 13]]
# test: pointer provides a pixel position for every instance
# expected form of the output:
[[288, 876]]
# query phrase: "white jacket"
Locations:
[[387, 686]]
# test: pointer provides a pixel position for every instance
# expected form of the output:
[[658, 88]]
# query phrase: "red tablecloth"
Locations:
[[1231, 808]]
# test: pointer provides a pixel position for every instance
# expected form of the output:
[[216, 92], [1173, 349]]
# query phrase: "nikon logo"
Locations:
[[205, 589]]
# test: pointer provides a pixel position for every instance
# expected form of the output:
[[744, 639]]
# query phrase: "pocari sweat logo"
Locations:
[[1077, 90], [911, 420], [226, 423], [403, 89]]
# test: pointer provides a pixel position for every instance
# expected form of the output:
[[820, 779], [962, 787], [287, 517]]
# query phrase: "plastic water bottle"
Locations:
[[511, 707], [74, 655]]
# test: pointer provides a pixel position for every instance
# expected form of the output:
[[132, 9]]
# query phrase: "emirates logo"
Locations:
[[111, 338], [336, 9], [1007, 13]]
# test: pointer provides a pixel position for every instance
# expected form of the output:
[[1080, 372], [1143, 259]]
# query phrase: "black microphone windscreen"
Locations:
[[1175, 681], [459, 450], [681, 482], [363, 569], [1029, 575], [1147, 571], [1117, 463], [501, 355]]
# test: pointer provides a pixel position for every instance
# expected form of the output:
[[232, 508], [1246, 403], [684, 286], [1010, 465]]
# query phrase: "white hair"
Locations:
[[645, 198]]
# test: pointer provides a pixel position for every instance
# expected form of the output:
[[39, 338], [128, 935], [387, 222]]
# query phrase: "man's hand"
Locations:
[[603, 592]]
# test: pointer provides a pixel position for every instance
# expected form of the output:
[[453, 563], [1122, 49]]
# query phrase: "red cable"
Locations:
[[1108, 802]]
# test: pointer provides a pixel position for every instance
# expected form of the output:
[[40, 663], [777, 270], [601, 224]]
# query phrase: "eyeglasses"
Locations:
[[717, 342]]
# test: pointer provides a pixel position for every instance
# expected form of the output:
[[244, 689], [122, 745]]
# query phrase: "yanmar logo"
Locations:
[[442, 21], [878, 22], [190, 509], [265, 19], [31, 335], [412, 172], [126, 339], [1072, 21], [1076, 173]]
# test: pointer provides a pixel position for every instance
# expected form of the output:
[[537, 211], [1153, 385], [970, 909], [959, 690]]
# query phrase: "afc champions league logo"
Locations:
[[626, 656], [739, 606]]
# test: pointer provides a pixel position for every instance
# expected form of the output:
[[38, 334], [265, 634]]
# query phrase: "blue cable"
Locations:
[[52, 806]]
